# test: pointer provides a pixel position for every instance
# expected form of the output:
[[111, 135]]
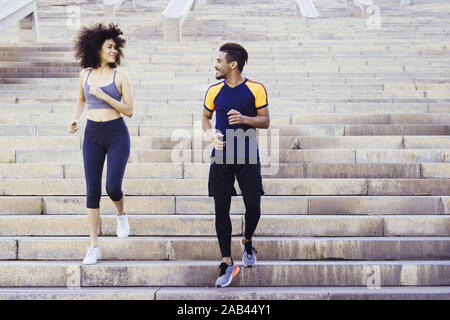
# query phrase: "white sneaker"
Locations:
[[123, 227], [93, 253]]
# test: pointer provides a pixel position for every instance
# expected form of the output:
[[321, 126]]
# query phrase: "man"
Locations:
[[241, 106]]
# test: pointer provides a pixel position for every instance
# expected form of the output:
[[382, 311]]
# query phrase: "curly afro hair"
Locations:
[[90, 40]]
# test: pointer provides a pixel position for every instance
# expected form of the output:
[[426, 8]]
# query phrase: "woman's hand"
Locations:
[[73, 127], [98, 93]]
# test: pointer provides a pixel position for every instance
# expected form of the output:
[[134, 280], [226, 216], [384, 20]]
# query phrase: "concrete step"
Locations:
[[439, 107], [183, 139], [198, 91], [35, 205], [278, 105], [309, 112], [55, 171], [394, 130], [369, 119], [203, 225], [76, 141], [320, 205], [290, 293], [48, 116], [136, 129], [185, 127], [359, 170], [381, 108], [374, 142], [76, 225], [172, 81], [177, 155], [65, 97], [272, 187], [140, 89], [280, 126], [78, 294], [284, 205], [333, 54], [201, 171], [435, 170], [388, 142], [207, 248], [419, 104], [75, 156], [180, 273], [289, 47], [230, 293], [402, 156], [343, 39], [160, 45], [257, 73]]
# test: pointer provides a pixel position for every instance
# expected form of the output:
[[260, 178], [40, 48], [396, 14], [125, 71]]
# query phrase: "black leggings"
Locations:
[[101, 139], [221, 187]]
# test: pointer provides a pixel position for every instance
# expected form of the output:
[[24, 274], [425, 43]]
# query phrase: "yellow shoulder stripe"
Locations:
[[211, 95], [259, 92]]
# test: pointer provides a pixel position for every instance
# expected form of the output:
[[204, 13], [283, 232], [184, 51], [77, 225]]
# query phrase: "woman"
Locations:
[[107, 93]]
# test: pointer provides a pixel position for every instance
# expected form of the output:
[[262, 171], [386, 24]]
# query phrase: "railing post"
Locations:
[[194, 7], [29, 27]]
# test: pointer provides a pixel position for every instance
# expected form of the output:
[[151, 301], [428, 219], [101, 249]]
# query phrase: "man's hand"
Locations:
[[217, 139], [235, 117]]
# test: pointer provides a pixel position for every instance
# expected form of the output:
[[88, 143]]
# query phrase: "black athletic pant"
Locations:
[[221, 187], [101, 139]]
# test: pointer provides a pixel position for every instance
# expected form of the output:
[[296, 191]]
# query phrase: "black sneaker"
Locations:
[[227, 273], [249, 254]]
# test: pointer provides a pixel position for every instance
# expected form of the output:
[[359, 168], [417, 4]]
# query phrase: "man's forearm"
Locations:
[[206, 125], [261, 122]]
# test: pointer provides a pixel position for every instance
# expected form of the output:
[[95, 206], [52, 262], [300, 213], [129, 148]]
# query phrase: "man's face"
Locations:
[[223, 68]]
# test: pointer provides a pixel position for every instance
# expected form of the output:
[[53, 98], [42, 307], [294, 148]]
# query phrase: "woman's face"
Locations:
[[108, 52]]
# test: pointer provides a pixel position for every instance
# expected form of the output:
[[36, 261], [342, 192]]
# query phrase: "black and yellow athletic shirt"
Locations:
[[246, 98]]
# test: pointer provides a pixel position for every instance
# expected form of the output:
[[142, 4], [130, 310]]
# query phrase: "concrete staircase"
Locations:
[[358, 208]]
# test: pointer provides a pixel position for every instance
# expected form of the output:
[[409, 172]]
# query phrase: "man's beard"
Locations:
[[220, 77]]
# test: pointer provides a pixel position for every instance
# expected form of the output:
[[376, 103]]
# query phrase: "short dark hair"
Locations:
[[89, 41], [235, 52]]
